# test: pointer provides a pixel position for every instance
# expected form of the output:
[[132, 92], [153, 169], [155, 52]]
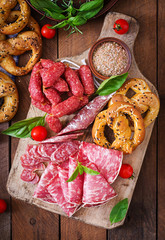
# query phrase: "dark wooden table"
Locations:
[[145, 219]]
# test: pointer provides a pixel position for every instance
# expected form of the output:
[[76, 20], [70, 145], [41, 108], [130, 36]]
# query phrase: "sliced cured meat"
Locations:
[[52, 95], [75, 188], [39, 167], [86, 115], [32, 152], [54, 188], [46, 150], [54, 123], [35, 180], [35, 84], [74, 82], [41, 191], [28, 161], [66, 107], [47, 63], [61, 85], [96, 189], [63, 170], [64, 138], [52, 74], [27, 175], [86, 79], [108, 161], [64, 151], [46, 106]]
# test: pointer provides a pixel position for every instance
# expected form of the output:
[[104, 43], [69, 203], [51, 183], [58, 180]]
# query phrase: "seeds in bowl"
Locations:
[[110, 58]]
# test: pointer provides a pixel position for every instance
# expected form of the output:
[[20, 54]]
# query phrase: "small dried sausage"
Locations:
[[54, 123], [87, 79]]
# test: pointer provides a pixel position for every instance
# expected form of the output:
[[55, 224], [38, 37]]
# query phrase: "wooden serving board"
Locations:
[[97, 216]]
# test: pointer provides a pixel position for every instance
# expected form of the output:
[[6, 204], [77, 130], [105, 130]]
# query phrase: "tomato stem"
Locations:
[[118, 27]]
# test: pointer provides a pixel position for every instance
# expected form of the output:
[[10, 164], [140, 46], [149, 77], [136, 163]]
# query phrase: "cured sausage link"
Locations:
[[87, 79], [74, 82], [86, 115], [54, 123]]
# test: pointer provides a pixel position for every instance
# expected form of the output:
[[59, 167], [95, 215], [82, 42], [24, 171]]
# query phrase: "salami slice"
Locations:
[[64, 151], [39, 167], [75, 188], [28, 161], [64, 138], [54, 188], [96, 189], [32, 152], [41, 191], [63, 170], [35, 180], [108, 161], [27, 175], [86, 115], [46, 150]]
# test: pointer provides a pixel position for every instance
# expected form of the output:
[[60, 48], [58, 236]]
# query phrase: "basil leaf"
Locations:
[[90, 171], [74, 175], [111, 84], [89, 14], [81, 170], [22, 129], [48, 4], [78, 20], [119, 211], [89, 6], [54, 15]]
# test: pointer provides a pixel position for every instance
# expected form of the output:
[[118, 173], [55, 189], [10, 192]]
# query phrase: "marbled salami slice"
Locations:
[[63, 170], [108, 161], [64, 138], [96, 189], [32, 152], [75, 188], [41, 191], [27, 175], [54, 188], [64, 151], [39, 167], [86, 115], [47, 149], [28, 161]]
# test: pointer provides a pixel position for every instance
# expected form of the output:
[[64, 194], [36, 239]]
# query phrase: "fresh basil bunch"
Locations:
[[71, 16]]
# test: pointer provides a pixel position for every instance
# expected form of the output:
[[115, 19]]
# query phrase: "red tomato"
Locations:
[[121, 26], [39, 133], [126, 171], [47, 32], [3, 206]]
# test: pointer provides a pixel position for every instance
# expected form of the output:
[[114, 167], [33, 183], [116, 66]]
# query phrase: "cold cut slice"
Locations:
[[64, 151], [39, 167], [27, 175], [64, 138], [46, 150], [63, 175], [86, 115], [96, 189], [108, 161]]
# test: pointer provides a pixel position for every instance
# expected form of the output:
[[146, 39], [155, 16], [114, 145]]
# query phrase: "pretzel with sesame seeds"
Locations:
[[144, 100], [9, 93]]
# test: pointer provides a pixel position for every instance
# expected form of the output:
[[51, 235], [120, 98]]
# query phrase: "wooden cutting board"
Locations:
[[97, 216]]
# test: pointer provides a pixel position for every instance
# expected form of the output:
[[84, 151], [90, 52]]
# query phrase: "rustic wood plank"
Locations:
[[141, 219], [5, 218], [161, 126], [38, 223], [72, 46]]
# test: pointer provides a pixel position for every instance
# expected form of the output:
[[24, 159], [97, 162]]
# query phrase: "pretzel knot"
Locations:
[[144, 100], [8, 92], [25, 41], [115, 118]]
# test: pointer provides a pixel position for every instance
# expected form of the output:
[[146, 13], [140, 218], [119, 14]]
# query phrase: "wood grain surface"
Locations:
[[145, 219]]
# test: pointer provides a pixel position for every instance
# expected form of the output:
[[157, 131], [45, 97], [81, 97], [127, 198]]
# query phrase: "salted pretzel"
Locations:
[[21, 21], [9, 93], [144, 100]]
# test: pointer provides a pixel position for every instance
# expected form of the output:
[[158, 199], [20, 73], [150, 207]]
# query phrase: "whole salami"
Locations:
[[87, 79], [46, 107], [47, 63], [54, 123], [74, 82], [52, 95], [86, 115]]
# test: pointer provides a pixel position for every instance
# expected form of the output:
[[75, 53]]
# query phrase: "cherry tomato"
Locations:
[[3, 206], [121, 26], [47, 32], [39, 133], [126, 171]]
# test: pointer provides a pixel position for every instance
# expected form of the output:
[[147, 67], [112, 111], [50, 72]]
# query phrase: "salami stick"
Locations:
[[86, 115]]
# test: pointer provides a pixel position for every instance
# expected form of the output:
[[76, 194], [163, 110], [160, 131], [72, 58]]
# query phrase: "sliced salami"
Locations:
[[108, 161], [27, 175], [32, 152], [96, 189], [64, 151], [46, 150], [39, 167], [63, 170], [28, 161], [64, 138], [86, 115]]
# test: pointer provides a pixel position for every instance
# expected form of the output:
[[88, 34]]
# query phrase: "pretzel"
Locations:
[[21, 21], [144, 100], [9, 93]]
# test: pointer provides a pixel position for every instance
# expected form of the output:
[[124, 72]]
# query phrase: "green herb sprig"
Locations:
[[22, 129], [71, 16], [119, 211], [80, 169]]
